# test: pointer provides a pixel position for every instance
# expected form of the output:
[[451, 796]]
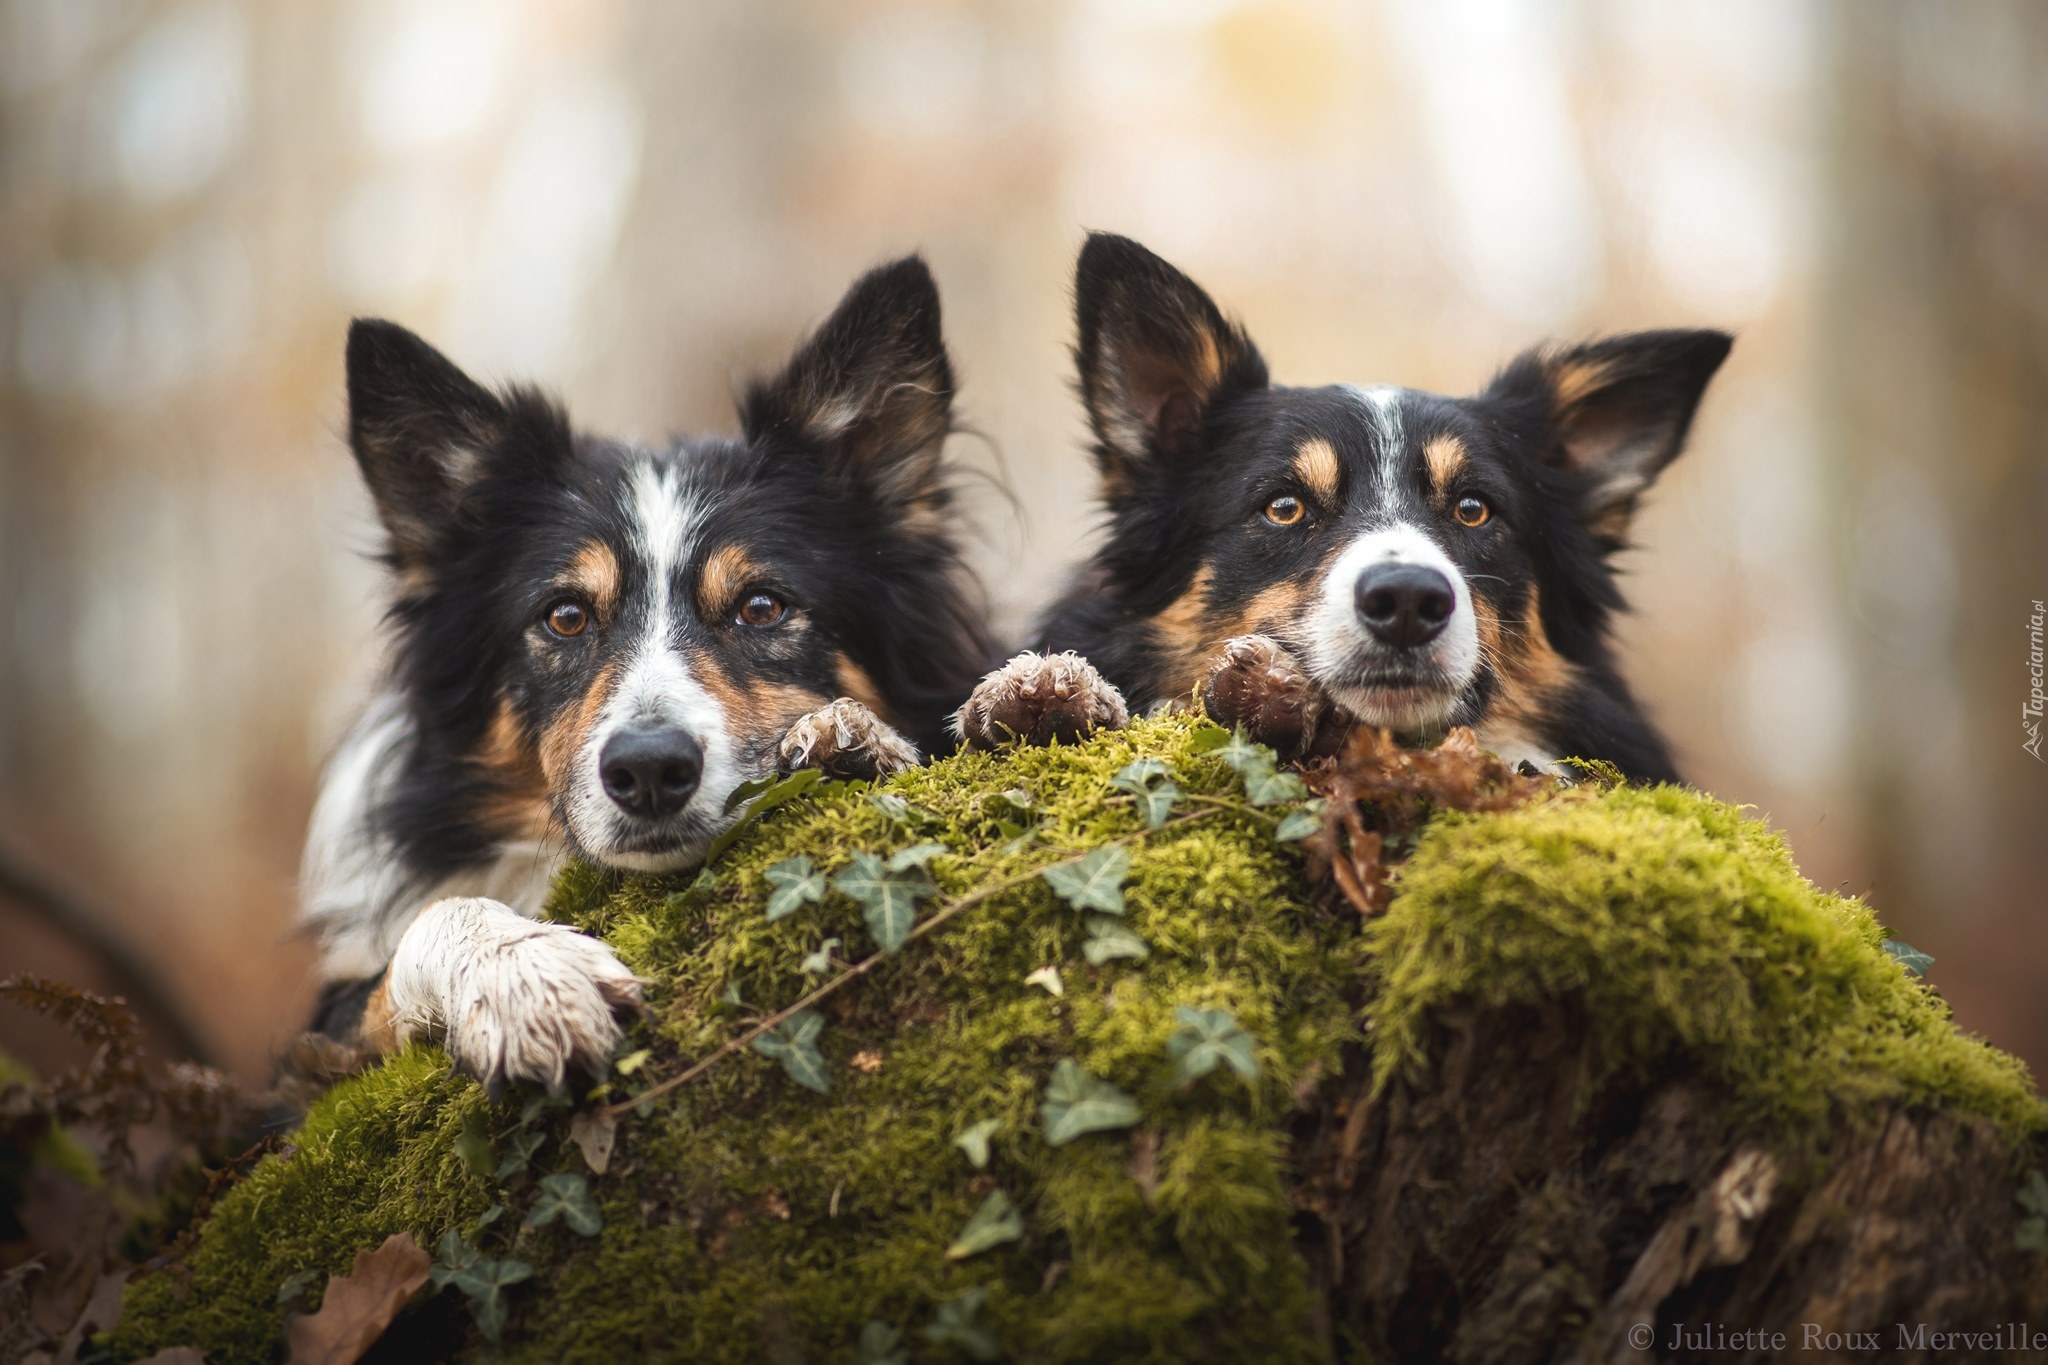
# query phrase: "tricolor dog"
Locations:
[[594, 642], [1309, 558]]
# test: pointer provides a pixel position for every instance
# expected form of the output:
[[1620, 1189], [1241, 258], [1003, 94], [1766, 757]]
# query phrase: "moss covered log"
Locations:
[[1606, 1059]]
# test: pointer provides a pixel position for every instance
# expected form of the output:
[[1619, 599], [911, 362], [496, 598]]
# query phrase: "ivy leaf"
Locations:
[[2032, 1233], [296, 1289], [520, 1148], [748, 790], [820, 961], [1049, 979], [1269, 786], [489, 1216], [2033, 1196], [777, 791], [994, 1223], [485, 1282], [1906, 955], [917, 855], [1077, 1103], [959, 1324], [566, 1196], [901, 811], [452, 1255], [889, 898], [1206, 1039], [1237, 749], [474, 1146], [880, 1344], [795, 882], [1144, 779], [1093, 882], [538, 1105], [974, 1142], [794, 1043], [1299, 824], [1208, 738], [1109, 937]]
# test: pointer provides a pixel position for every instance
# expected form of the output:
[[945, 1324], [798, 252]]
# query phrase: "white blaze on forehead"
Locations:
[[1342, 652], [655, 686], [1383, 402]]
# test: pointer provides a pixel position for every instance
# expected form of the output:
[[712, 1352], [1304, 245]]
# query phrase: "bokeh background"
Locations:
[[640, 202]]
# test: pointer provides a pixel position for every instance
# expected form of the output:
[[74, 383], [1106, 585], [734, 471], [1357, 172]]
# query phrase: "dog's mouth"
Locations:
[[1401, 696]]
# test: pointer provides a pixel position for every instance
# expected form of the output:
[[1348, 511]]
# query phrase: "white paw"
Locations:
[[846, 739], [1038, 698], [510, 999]]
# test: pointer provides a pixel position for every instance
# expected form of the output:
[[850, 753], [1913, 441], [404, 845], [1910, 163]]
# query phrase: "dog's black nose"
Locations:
[[650, 772], [1404, 604]]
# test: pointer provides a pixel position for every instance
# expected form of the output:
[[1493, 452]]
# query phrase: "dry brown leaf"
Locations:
[[593, 1133], [358, 1306], [866, 1062]]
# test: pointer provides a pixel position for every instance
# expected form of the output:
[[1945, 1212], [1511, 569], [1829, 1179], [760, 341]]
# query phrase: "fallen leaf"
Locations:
[[358, 1306], [593, 1133], [866, 1061], [1048, 977]]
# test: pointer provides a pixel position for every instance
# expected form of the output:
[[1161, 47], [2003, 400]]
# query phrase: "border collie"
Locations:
[[594, 642], [1310, 558]]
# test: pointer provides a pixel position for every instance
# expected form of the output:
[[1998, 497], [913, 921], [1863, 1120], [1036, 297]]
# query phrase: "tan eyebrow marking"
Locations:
[[1315, 464], [595, 573], [1445, 456], [726, 571]]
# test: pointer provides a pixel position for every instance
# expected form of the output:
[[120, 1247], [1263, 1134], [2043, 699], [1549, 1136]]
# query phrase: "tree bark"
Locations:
[[1505, 1207]]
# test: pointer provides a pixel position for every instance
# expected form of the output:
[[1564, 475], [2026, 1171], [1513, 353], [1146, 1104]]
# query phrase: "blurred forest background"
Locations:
[[638, 202]]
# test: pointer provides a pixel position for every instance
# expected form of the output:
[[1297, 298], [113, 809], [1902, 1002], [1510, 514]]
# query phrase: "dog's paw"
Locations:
[[1255, 683], [510, 999], [1038, 698], [846, 740]]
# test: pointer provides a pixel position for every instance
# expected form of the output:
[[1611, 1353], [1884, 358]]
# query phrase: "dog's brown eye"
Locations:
[[567, 618], [762, 609], [1472, 512], [1285, 510]]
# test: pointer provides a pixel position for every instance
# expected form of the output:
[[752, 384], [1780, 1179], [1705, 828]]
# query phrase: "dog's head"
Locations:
[[608, 638], [1430, 560]]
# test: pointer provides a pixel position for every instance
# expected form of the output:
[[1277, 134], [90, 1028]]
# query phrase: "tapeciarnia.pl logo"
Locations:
[[2030, 714]]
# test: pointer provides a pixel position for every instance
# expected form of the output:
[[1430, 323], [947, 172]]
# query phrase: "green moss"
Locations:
[[1685, 927], [743, 1211]]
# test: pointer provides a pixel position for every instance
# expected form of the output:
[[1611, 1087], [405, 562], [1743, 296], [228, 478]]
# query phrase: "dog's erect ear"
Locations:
[[420, 429], [871, 389], [1620, 409], [1154, 353]]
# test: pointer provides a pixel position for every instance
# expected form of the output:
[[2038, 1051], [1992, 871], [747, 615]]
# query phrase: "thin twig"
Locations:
[[744, 1040]]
